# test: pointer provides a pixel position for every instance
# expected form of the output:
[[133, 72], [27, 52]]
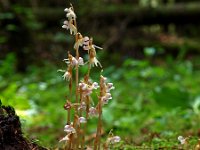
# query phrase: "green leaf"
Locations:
[[171, 97]]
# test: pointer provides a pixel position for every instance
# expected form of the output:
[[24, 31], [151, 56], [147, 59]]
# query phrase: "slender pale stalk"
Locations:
[[99, 124], [72, 143], [70, 97], [87, 97], [97, 141], [77, 76], [89, 68], [77, 97], [77, 87], [73, 138], [98, 132], [82, 132], [68, 116]]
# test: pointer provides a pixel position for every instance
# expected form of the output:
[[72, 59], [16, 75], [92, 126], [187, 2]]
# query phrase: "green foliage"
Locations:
[[171, 97], [7, 66], [153, 103], [28, 16]]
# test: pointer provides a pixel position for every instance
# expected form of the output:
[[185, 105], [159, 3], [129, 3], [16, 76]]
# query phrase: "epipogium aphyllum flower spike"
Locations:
[[69, 24], [83, 108], [87, 44]]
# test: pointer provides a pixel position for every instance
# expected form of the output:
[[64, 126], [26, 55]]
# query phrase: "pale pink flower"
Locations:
[[80, 61], [82, 106], [86, 43], [66, 26], [109, 87], [67, 9], [87, 92], [114, 139], [67, 76], [83, 86], [69, 129], [93, 112], [105, 99], [82, 120], [85, 89], [95, 85], [181, 139], [66, 22], [69, 26], [70, 13], [74, 61]]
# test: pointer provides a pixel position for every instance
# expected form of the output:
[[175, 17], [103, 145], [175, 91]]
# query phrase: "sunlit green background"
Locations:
[[151, 54]]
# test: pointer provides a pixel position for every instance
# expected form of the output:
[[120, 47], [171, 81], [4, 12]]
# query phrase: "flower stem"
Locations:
[[70, 97], [97, 142], [98, 132], [76, 144]]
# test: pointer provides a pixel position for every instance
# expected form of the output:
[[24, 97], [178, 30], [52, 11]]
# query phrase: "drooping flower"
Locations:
[[109, 87], [69, 128], [92, 57], [83, 86], [105, 99], [182, 140], [86, 43], [66, 25], [82, 106], [67, 105], [82, 120], [95, 85], [105, 90], [114, 139], [80, 61], [70, 23], [73, 61], [79, 41], [93, 112], [85, 89], [70, 26], [70, 13], [67, 75]]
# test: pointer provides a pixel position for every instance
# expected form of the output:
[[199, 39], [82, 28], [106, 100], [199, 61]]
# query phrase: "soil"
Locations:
[[11, 136]]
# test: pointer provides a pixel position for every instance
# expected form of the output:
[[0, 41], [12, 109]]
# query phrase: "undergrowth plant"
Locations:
[[79, 105]]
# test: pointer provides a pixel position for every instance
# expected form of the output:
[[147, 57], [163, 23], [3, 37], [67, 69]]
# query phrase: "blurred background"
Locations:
[[151, 54]]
